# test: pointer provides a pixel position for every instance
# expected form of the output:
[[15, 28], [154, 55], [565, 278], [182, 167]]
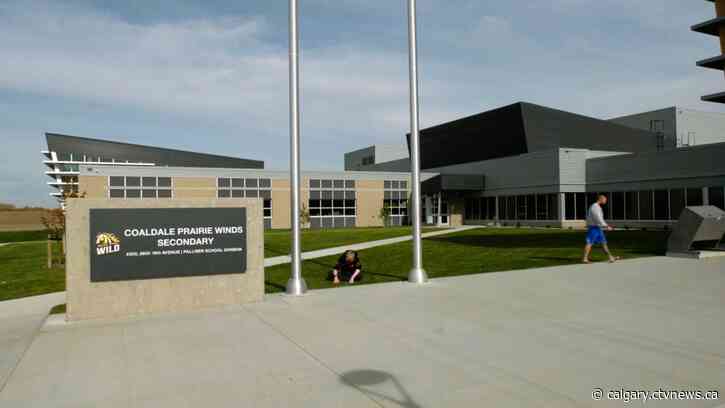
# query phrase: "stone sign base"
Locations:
[[118, 299]]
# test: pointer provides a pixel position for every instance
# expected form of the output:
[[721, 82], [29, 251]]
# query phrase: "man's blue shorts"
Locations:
[[595, 235]]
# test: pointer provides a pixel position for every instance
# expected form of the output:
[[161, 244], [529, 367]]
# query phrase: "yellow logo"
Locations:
[[107, 243]]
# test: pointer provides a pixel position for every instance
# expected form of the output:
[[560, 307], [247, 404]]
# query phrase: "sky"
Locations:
[[212, 75]]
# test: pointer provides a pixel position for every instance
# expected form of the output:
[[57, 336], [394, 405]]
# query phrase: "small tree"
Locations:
[[304, 216], [54, 220], [384, 214]]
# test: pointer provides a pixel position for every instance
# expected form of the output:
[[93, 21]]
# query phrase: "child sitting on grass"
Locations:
[[348, 267]]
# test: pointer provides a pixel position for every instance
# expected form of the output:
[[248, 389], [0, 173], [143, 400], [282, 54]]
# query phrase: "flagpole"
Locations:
[[417, 274], [296, 285]]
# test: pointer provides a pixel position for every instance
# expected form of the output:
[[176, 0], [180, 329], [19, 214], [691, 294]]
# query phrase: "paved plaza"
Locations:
[[539, 337]]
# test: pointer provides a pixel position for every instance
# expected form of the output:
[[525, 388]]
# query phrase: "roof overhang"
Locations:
[[711, 27], [713, 63], [718, 97], [454, 183]]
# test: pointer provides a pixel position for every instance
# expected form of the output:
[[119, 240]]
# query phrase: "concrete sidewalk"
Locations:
[[19, 322], [540, 337], [279, 260]]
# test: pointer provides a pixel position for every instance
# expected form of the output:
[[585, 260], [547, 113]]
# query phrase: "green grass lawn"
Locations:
[[22, 236], [24, 271], [477, 251], [277, 242]]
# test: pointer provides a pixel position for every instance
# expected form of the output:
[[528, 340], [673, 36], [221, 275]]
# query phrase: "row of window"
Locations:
[[332, 203], [542, 207], [332, 184], [483, 208], [80, 157], [648, 205], [325, 208], [68, 167], [244, 183], [395, 185], [395, 196], [139, 187]]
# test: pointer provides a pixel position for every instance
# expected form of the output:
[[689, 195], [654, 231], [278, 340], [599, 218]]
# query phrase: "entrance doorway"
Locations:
[[435, 210]]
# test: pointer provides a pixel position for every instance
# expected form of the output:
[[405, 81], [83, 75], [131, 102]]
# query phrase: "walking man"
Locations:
[[595, 233]]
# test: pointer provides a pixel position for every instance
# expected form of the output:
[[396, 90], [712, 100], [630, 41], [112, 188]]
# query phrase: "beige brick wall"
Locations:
[[93, 186], [369, 202], [456, 208], [181, 194], [281, 204]]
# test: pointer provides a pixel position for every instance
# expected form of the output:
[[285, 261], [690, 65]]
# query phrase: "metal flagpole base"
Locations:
[[417, 275], [296, 287]]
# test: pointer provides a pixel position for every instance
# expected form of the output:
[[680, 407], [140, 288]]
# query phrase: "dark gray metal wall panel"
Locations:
[[402, 165], [548, 128], [147, 154], [666, 118], [488, 135]]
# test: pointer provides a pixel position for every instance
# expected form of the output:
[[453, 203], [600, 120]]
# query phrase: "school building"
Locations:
[[521, 164]]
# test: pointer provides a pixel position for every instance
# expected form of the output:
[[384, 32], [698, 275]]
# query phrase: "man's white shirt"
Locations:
[[595, 216]]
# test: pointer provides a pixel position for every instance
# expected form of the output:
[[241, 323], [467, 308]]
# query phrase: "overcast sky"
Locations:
[[211, 75]]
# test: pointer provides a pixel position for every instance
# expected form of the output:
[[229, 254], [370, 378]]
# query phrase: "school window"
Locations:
[[332, 203], [632, 205], [716, 197], [511, 207], [646, 205], [125, 187], [570, 206], [662, 205], [694, 196], [617, 202], [677, 203], [395, 195], [552, 208], [248, 187]]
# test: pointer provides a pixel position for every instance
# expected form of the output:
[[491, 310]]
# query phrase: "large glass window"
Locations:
[[552, 208], [473, 209], [570, 206], [396, 199], [248, 187], [521, 207], [694, 196], [662, 205], [482, 208], [491, 207], [531, 207], [541, 207], [469, 208], [502, 208], [511, 207], [646, 205], [716, 197], [677, 203], [617, 203], [332, 204], [139, 187], [632, 205], [581, 206]]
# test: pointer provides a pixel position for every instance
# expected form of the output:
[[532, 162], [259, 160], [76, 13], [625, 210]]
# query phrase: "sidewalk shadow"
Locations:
[[362, 379]]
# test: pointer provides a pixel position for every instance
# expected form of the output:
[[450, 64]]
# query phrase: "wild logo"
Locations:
[[107, 243]]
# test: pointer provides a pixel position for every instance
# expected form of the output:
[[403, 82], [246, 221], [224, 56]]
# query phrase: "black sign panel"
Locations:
[[150, 243]]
